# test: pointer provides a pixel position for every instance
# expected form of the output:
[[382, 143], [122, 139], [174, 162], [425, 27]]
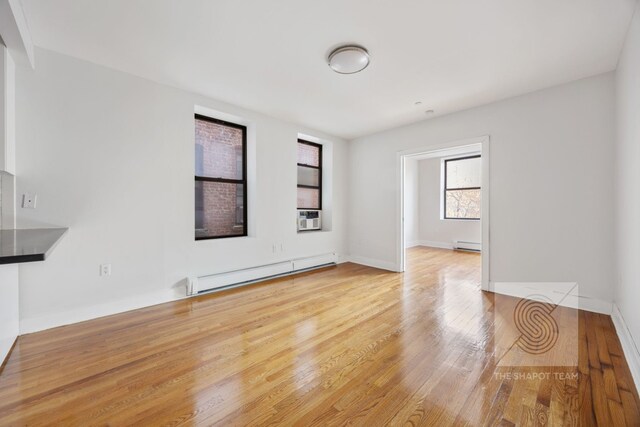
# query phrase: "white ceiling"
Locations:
[[269, 56]]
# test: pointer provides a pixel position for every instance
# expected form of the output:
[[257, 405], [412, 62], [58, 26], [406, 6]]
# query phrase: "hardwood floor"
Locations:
[[345, 345]]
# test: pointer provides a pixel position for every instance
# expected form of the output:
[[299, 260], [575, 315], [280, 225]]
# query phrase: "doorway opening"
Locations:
[[443, 208]]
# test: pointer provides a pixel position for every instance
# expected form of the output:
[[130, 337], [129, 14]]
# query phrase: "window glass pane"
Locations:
[[308, 176], [219, 209], [199, 206], [463, 204], [308, 198], [308, 155], [464, 173], [218, 150]]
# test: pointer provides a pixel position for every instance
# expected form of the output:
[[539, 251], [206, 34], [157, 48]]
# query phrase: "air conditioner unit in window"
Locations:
[[309, 220]]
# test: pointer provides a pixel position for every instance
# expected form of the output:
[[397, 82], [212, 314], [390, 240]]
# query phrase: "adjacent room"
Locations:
[[319, 213], [442, 203]]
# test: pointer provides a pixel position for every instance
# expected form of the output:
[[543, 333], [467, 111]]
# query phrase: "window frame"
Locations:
[[445, 189], [242, 181], [319, 168]]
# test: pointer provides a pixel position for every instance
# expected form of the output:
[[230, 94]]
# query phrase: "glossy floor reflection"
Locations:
[[345, 345]]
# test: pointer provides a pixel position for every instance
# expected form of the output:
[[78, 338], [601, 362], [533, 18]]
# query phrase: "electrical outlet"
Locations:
[[105, 270], [29, 201]]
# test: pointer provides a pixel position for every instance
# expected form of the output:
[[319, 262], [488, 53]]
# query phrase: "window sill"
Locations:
[[209, 239], [313, 231], [461, 219]]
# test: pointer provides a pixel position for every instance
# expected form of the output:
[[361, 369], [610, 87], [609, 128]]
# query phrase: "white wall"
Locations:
[[9, 316], [111, 156], [411, 203], [627, 182], [7, 111], [551, 184], [433, 230]]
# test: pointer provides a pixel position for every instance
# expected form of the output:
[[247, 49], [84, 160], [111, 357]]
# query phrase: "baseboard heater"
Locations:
[[467, 246], [245, 276]]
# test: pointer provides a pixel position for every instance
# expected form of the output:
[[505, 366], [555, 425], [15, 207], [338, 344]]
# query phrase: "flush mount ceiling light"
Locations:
[[348, 59]]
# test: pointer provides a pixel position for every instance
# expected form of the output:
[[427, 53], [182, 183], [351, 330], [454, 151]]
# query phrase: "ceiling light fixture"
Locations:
[[348, 59]]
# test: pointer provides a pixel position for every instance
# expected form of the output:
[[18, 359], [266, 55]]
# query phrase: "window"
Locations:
[[309, 175], [462, 189], [221, 179]]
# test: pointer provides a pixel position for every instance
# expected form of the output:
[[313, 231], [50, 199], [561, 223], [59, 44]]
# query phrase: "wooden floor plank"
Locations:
[[349, 345], [631, 408], [599, 397]]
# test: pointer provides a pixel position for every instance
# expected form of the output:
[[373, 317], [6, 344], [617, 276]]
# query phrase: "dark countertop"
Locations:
[[28, 245]]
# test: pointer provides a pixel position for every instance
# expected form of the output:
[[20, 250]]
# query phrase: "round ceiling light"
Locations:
[[348, 59]]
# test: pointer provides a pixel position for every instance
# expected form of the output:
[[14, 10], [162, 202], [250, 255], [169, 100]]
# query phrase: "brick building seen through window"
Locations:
[[309, 175], [220, 179]]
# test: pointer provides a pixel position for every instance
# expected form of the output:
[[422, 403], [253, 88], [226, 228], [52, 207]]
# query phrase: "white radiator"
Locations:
[[245, 276], [467, 246]]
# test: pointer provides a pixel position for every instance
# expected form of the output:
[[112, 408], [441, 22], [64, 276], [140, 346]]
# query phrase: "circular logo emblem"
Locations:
[[538, 329]]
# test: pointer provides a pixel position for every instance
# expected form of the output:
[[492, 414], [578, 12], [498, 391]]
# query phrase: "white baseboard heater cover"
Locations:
[[218, 281], [467, 246]]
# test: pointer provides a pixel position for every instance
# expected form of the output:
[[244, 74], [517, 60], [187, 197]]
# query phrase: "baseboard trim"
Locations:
[[8, 355], [584, 302], [595, 305], [54, 320], [432, 244], [629, 346], [343, 258], [375, 263]]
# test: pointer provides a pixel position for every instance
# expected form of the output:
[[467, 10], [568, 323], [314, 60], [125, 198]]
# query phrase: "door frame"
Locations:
[[484, 143]]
